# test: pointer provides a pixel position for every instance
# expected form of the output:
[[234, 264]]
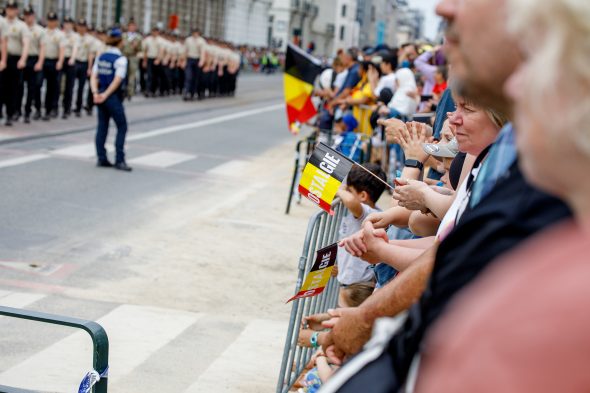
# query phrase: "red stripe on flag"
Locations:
[[309, 293], [320, 202]]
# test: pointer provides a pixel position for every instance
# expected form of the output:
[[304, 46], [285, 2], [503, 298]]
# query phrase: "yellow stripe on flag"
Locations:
[[319, 183], [317, 279], [295, 89]]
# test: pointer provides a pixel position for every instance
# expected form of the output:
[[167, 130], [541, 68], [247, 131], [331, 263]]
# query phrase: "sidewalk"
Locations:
[[142, 110]]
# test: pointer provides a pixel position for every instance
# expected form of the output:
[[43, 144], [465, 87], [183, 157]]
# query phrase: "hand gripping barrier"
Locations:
[[98, 335], [321, 231]]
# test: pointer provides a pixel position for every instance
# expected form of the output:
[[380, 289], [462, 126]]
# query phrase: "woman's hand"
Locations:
[[393, 128], [412, 195], [411, 139]]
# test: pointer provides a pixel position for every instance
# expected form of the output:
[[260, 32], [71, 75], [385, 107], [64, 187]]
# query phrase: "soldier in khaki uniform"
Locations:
[[33, 77], [2, 60], [131, 48], [54, 59], [193, 72], [15, 37], [69, 71], [153, 55], [99, 45], [84, 60]]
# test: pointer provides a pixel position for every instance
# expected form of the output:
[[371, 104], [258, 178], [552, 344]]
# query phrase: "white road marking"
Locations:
[[162, 159], [230, 168], [85, 150], [203, 123], [135, 333], [23, 160], [19, 299], [237, 370]]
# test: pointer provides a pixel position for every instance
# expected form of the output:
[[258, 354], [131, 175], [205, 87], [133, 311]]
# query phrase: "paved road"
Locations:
[[186, 261]]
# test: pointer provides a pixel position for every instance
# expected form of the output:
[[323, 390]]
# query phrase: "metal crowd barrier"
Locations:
[[321, 232], [98, 335]]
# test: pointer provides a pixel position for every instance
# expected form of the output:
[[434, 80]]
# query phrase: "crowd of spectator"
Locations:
[[475, 278]]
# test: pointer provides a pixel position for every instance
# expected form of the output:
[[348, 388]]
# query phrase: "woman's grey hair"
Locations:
[[557, 35]]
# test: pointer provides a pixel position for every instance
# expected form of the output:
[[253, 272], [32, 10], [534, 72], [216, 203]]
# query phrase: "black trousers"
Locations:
[[153, 76], [12, 85], [34, 80], [69, 72], [193, 77], [52, 79], [81, 75]]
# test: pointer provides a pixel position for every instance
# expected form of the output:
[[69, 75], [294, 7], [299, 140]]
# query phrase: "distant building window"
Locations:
[[372, 13], [342, 33], [344, 10]]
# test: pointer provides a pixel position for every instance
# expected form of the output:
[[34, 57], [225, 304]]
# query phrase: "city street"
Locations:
[[187, 261]]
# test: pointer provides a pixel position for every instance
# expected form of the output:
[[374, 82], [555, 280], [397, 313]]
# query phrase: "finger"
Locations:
[[360, 246]]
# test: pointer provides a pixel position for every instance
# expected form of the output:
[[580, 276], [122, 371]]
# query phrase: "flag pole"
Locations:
[[374, 175]]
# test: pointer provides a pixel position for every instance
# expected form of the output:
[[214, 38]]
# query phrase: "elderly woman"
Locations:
[[523, 327]]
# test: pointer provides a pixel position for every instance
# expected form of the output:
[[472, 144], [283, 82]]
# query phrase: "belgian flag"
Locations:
[[324, 173], [301, 69]]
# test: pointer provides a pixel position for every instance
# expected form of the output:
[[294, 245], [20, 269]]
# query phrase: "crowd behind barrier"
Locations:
[[478, 216]]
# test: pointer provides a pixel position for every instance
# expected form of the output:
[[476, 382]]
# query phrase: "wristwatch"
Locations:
[[414, 164]]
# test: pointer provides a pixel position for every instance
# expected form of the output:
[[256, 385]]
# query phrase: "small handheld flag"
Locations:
[[324, 173], [301, 69], [320, 273]]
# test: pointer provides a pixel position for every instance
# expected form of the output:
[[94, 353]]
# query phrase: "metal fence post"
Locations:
[[99, 337]]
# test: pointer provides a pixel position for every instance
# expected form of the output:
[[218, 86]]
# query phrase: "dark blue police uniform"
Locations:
[[110, 64]]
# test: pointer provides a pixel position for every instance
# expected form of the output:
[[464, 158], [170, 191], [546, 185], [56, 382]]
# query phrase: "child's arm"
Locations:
[[349, 200], [325, 371]]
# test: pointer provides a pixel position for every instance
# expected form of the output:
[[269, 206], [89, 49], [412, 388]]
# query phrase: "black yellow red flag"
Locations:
[[301, 69], [322, 176], [319, 274]]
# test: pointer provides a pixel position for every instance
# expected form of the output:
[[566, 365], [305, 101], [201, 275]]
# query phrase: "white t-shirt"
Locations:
[[385, 82], [339, 81], [353, 270], [401, 102]]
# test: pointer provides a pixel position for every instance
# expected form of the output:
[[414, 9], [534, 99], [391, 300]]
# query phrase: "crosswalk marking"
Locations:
[[22, 160], [250, 364], [135, 333], [162, 159], [83, 150], [230, 168], [18, 299]]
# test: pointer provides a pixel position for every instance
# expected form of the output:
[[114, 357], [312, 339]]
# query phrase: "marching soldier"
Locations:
[[2, 60], [98, 47], [84, 59], [15, 38], [153, 55], [194, 60], [107, 84], [69, 71], [54, 59], [131, 48], [34, 70]]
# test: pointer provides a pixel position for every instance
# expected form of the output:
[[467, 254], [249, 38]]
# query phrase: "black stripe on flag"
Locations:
[[331, 162], [301, 65]]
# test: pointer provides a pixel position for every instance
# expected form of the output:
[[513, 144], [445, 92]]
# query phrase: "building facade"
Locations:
[[247, 21]]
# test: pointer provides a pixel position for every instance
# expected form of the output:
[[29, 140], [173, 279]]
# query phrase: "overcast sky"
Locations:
[[432, 21]]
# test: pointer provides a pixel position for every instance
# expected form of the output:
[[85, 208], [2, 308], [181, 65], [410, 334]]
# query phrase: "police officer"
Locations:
[[131, 48], [69, 71], [84, 59], [15, 37], [54, 60], [33, 77], [193, 52], [108, 83]]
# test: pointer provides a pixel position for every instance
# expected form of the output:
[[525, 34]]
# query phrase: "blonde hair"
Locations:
[[557, 34]]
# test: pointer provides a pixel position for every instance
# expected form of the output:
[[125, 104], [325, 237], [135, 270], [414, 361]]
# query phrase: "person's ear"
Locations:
[[364, 195]]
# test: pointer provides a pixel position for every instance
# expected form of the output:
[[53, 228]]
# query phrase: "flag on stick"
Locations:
[[320, 273], [301, 69], [322, 176]]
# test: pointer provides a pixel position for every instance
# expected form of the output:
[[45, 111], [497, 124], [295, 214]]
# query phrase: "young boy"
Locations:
[[359, 195], [347, 141]]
